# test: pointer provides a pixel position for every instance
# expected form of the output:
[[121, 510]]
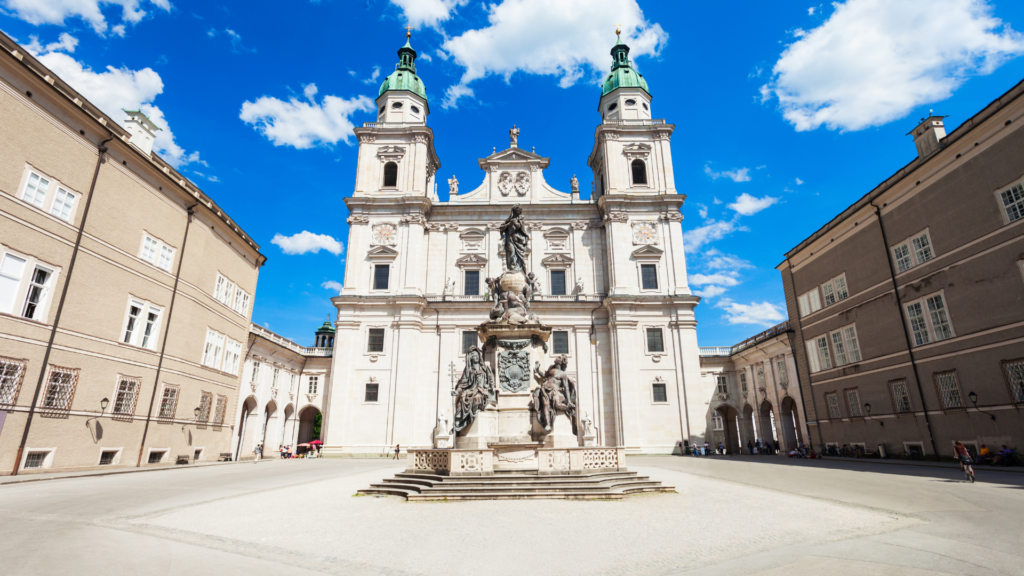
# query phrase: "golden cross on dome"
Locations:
[[408, 31], [617, 29]]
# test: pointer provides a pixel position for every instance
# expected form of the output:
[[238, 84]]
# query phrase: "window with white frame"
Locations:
[[141, 324], [817, 354], [853, 402], [743, 383], [845, 345], [929, 319], [63, 204], [783, 373], [224, 290], [60, 388], [655, 340], [241, 303], [314, 384], [255, 372], [156, 252], [47, 194], [947, 385], [169, 401], [913, 252], [835, 290], [717, 422], [1013, 202], [35, 189], [809, 302], [375, 340], [659, 392], [1013, 371], [232, 355], [12, 374], [832, 399], [25, 287], [126, 396], [722, 384], [36, 295], [372, 392], [900, 396], [213, 350]]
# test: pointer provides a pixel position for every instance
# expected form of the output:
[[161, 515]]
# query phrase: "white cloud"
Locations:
[[373, 77], [332, 285], [717, 260], [737, 175], [568, 39], [873, 61], [57, 11], [702, 210], [799, 181], [810, 11], [695, 238], [710, 292], [716, 201], [424, 56], [720, 279], [748, 205], [305, 124], [236, 42], [762, 313], [114, 90], [429, 13], [65, 43], [305, 242]]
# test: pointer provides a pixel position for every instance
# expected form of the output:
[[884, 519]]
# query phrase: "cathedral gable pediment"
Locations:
[[649, 252], [557, 260], [471, 261], [381, 252]]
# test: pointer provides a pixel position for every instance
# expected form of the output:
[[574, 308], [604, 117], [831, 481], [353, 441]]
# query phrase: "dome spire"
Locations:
[[623, 74], [404, 77]]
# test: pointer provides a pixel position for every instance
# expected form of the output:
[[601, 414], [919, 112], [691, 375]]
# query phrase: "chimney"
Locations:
[[928, 134], [142, 129]]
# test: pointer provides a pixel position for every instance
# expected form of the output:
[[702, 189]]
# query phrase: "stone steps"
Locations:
[[518, 486]]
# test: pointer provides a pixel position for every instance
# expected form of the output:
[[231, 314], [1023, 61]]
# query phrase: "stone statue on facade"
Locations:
[[555, 393], [474, 390], [513, 136], [585, 424], [575, 184], [449, 287], [579, 287], [516, 240], [453, 186]]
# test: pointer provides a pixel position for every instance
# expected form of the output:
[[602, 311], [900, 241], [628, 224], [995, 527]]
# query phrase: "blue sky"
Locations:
[[785, 112]]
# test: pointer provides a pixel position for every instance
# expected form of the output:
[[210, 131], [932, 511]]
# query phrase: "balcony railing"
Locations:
[[757, 339], [282, 341], [391, 124], [536, 298], [318, 352], [708, 351], [636, 122]]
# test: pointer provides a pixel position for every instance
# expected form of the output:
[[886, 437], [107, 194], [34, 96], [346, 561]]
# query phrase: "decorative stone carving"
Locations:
[[413, 219], [493, 225], [420, 138], [671, 217], [367, 139], [522, 184], [514, 345], [610, 136], [616, 217], [578, 289], [390, 153], [636, 150], [556, 392], [435, 227], [452, 227], [311, 398], [449, 287], [514, 367], [383, 234], [579, 225], [662, 136], [474, 391], [453, 186], [358, 220], [645, 233], [505, 183], [253, 385]]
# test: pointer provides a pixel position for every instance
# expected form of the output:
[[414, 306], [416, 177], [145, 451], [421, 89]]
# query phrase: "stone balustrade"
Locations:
[[550, 461]]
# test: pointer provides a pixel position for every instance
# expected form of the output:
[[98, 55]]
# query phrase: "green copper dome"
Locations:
[[404, 77], [623, 75]]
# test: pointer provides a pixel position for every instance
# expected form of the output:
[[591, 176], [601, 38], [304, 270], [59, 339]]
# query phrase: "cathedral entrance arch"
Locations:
[[789, 423], [244, 445], [766, 419], [747, 428], [269, 424], [287, 423], [729, 434], [309, 425]]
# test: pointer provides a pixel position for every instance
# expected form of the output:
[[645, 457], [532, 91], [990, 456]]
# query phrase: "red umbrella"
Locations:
[[315, 442]]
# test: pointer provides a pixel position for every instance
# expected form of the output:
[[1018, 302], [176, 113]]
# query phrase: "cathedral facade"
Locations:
[[611, 272]]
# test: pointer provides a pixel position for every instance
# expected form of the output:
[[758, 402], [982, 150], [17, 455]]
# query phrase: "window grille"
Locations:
[[558, 282], [376, 340], [314, 382], [832, 399], [1013, 202], [169, 401], [156, 457], [371, 392], [660, 393], [560, 342], [1013, 370], [107, 457], [380, 276], [655, 342], [853, 402], [649, 276], [221, 411], [60, 388], [948, 387], [35, 459], [472, 283], [900, 396], [205, 404], [127, 396], [12, 374]]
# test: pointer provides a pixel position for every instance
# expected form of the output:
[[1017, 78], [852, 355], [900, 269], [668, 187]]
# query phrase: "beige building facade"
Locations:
[[907, 308], [125, 291]]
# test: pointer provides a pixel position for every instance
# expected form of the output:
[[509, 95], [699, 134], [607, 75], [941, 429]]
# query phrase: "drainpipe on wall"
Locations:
[[167, 331], [906, 327], [60, 306]]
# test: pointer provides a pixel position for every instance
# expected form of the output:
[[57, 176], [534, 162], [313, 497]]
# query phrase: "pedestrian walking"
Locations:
[[707, 447], [750, 446], [257, 452], [398, 448]]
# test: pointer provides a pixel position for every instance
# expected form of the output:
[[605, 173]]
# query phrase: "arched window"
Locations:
[[391, 175], [639, 172]]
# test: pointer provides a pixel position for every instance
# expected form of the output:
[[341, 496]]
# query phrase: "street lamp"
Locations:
[[867, 408], [194, 420], [974, 400], [103, 405]]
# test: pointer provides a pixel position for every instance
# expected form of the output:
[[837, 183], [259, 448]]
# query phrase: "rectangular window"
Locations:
[[810, 302], [213, 350], [469, 339], [273, 380], [922, 248], [1013, 370], [149, 335], [817, 354], [142, 324], [917, 323], [12, 270], [149, 249], [255, 372], [35, 190], [845, 346], [126, 397], [63, 203], [913, 252], [660, 392], [166, 258], [314, 384], [835, 290], [107, 457], [649, 276], [948, 387], [1013, 202], [36, 294], [12, 373], [901, 254], [743, 383], [134, 310], [371, 393], [934, 325], [375, 340], [560, 342], [900, 396], [558, 282], [783, 373], [655, 342], [60, 389], [939, 319], [833, 405], [722, 384], [224, 291], [472, 283], [853, 402], [717, 422], [35, 459], [205, 405], [232, 354], [169, 401], [380, 276], [155, 457], [241, 303], [221, 411]]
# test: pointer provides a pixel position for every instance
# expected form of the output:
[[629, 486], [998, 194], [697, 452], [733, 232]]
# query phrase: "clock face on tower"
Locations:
[[645, 233], [383, 234]]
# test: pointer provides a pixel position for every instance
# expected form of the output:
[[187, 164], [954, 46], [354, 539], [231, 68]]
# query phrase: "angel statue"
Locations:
[[556, 392], [453, 186], [474, 390]]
